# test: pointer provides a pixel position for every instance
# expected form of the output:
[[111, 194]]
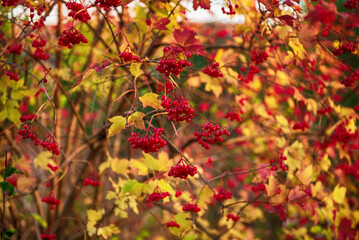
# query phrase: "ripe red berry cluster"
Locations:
[[177, 110], [168, 87], [71, 37], [50, 145], [182, 169], [28, 132], [148, 143], [52, 201], [15, 48], [231, 216], [172, 61], [107, 4], [281, 159], [53, 168], [300, 126], [12, 76], [48, 236], [233, 116], [28, 117], [173, 224], [259, 57], [77, 12], [249, 78], [178, 193], [156, 196], [189, 207], [222, 194], [92, 182], [323, 111], [211, 133], [128, 57], [40, 54], [9, 3], [38, 43], [213, 70], [259, 187], [351, 79], [351, 4], [230, 9], [347, 46]]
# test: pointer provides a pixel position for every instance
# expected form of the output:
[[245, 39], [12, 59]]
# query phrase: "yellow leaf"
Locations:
[[44, 158], [305, 176], [137, 120], [119, 166], [151, 99], [118, 123], [339, 194], [297, 47], [143, 170], [151, 162], [93, 217], [325, 163], [272, 187], [211, 84], [135, 69], [108, 231]]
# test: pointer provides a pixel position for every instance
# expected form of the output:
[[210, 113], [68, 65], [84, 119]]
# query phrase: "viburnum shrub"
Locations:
[[124, 119]]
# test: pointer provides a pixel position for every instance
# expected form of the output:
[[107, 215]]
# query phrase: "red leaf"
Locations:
[[159, 22], [186, 39], [205, 4], [345, 230], [280, 210], [289, 20]]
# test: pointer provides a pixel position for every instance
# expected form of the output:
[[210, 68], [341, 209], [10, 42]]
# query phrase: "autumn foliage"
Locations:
[[122, 119]]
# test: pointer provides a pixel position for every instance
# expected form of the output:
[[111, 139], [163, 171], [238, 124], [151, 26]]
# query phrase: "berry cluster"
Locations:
[[53, 168], [177, 110], [173, 224], [78, 12], [344, 47], [178, 193], [230, 9], [71, 37], [323, 111], [52, 201], [351, 79], [12, 76], [189, 207], [281, 159], [9, 3], [300, 126], [39, 52], [259, 57], [252, 70], [107, 4], [128, 57], [157, 195], [173, 60], [233, 116], [92, 182], [15, 48], [213, 70], [50, 145], [350, 169], [211, 133], [182, 169], [222, 194], [28, 117], [168, 87], [259, 187], [148, 143], [28, 132], [48, 236], [231, 216], [351, 4]]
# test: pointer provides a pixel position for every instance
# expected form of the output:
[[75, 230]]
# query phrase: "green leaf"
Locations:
[[39, 219], [118, 123], [7, 187], [8, 233], [9, 171], [151, 99]]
